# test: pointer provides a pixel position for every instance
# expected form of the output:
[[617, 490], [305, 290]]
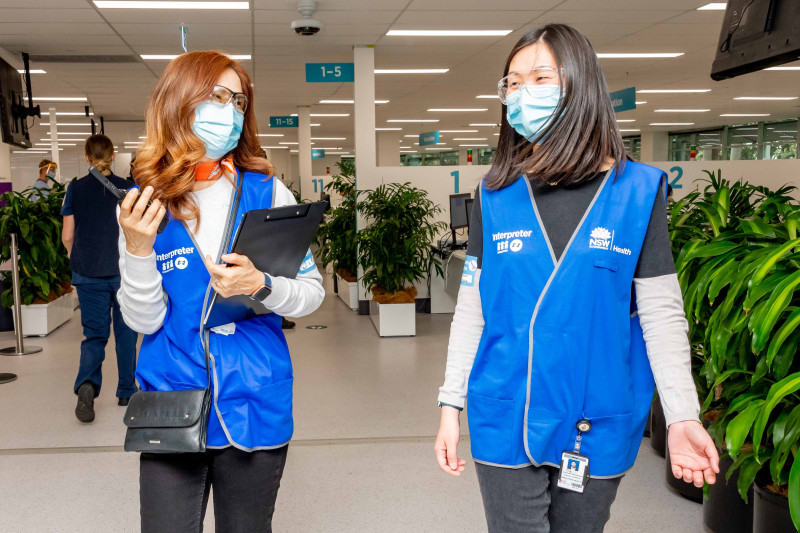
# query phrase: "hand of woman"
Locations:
[[139, 222], [446, 446], [239, 276], [692, 453]]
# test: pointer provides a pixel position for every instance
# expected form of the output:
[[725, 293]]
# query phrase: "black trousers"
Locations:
[[174, 488], [528, 500]]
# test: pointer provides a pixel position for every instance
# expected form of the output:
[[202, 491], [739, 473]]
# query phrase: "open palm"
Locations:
[[693, 454]]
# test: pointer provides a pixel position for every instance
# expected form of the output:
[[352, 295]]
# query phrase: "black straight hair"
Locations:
[[576, 146]]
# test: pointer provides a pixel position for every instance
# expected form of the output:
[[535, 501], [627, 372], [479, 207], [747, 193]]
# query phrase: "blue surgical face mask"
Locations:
[[530, 109], [51, 174], [219, 127]]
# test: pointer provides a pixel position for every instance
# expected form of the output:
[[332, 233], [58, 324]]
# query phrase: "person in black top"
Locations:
[[90, 236]]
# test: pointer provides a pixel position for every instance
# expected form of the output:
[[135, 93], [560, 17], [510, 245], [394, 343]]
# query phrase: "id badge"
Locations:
[[574, 472]]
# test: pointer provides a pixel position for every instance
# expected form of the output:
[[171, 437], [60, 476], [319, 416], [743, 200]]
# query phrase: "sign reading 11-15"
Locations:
[[329, 72]]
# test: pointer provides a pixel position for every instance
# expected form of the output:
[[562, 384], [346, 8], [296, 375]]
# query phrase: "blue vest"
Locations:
[[559, 342], [251, 369]]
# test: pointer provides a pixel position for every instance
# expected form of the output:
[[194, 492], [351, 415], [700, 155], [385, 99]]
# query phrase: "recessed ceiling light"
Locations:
[[408, 151], [438, 149], [766, 97], [639, 56], [415, 120], [170, 57], [487, 125], [315, 125], [293, 151], [488, 96], [459, 110], [328, 138], [329, 148], [782, 68], [270, 134], [65, 123], [745, 115], [629, 130], [412, 136], [50, 144], [349, 101], [158, 4], [641, 102], [470, 139], [84, 133], [682, 110], [60, 98], [672, 91], [33, 71], [31, 152], [293, 143], [275, 147], [330, 114], [671, 123], [388, 129], [448, 33], [70, 113], [411, 70], [473, 145], [405, 147], [626, 120], [458, 131], [713, 6]]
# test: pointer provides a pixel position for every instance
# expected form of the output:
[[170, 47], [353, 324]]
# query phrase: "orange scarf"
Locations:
[[211, 170]]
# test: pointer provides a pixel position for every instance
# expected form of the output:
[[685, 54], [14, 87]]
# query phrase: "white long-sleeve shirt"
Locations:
[[142, 298]]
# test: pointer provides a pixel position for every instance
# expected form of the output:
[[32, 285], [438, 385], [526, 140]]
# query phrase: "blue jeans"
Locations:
[[98, 304]]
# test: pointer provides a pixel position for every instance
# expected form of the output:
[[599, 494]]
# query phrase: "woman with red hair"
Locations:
[[200, 166]]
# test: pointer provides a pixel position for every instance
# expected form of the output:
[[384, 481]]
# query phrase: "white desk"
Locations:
[[444, 291]]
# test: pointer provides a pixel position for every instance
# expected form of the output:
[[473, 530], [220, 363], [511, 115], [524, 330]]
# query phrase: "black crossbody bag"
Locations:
[[174, 421]]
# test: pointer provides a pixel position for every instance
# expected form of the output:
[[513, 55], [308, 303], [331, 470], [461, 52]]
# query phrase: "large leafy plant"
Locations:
[[739, 268], [395, 247], [337, 238], [43, 263]]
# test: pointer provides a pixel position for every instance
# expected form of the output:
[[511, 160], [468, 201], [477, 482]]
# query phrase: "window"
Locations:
[[486, 156], [742, 142], [429, 159], [779, 140], [633, 146]]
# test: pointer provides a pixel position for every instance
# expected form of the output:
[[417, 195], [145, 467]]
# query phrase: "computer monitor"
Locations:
[[468, 205], [459, 217]]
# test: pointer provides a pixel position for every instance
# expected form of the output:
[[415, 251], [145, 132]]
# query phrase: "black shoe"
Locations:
[[85, 408], [123, 401], [287, 324]]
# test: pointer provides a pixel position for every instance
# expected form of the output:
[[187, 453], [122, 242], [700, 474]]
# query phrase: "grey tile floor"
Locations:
[[361, 460]]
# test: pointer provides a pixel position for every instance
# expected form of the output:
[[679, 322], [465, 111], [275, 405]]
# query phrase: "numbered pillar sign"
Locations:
[[678, 175], [455, 179], [318, 185]]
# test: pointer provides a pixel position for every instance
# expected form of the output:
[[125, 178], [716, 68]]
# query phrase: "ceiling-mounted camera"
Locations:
[[306, 25]]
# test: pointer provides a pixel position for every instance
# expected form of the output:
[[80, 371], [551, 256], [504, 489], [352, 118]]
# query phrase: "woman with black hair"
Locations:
[[569, 307]]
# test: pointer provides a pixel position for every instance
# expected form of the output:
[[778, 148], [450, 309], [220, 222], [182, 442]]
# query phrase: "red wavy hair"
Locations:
[[171, 151]]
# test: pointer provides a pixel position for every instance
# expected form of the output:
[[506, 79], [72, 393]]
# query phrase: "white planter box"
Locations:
[[348, 292], [39, 320], [394, 320]]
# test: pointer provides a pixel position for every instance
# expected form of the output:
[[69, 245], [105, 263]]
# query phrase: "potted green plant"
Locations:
[[43, 263], [395, 252], [740, 280], [337, 238]]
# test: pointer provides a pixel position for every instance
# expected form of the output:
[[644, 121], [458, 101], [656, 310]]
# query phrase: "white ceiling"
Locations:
[[119, 91]]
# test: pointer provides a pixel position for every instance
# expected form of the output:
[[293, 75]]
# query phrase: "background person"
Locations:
[[90, 236], [47, 171], [201, 153], [545, 338]]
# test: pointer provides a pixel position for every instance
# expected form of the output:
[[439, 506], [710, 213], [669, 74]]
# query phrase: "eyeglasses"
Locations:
[[536, 76], [222, 95]]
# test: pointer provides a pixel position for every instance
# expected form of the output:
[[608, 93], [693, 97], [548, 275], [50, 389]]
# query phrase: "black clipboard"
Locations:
[[276, 241]]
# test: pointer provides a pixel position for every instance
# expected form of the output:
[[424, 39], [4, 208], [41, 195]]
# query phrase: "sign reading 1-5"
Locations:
[[330, 72]]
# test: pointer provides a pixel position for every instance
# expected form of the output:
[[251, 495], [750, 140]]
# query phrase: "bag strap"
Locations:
[[228, 233]]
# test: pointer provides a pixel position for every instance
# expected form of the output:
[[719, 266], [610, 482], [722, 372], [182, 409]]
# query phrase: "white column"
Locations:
[[365, 142], [388, 149], [54, 142], [655, 146], [304, 150]]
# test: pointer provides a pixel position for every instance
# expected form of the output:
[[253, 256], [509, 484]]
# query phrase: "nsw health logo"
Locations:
[[602, 239]]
